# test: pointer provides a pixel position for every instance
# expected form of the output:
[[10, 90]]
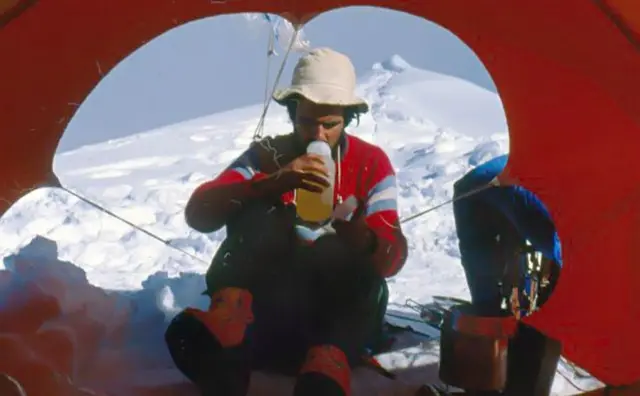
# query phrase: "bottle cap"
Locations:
[[319, 147]]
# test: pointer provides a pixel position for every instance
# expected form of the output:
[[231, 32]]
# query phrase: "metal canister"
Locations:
[[473, 349]]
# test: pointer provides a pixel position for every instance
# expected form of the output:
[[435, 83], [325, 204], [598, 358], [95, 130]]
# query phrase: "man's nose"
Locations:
[[319, 133]]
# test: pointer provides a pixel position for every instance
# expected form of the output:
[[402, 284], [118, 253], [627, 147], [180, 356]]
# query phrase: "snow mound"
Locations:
[[111, 340]]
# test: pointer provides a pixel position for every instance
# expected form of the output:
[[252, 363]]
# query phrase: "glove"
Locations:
[[356, 232]]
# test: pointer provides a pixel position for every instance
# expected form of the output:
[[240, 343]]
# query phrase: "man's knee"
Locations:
[[258, 239], [330, 257], [263, 226]]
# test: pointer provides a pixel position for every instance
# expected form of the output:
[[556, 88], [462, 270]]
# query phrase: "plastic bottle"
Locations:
[[317, 207]]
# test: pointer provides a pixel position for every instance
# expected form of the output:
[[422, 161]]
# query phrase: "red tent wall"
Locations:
[[568, 73]]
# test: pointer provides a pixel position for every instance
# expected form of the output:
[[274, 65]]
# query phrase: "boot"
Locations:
[[210, 347], [326, 372], [228, 316]]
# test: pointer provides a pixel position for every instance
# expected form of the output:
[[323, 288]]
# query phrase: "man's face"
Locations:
[[319, 122]]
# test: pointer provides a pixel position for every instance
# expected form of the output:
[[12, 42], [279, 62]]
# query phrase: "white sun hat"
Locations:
[[324, 76]]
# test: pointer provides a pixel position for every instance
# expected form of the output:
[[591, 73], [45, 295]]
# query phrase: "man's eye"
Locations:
[[330, 125], [314, 123]]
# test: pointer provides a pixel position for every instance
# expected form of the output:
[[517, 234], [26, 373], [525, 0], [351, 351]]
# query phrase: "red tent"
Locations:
[[568, 73]]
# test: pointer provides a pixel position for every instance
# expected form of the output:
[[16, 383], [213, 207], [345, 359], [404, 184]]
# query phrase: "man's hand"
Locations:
[[355, 232], [306, 172]]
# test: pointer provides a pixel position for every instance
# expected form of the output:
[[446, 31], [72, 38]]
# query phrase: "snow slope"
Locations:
[[434, 128]]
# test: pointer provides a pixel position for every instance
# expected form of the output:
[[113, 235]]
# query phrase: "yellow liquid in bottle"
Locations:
[[314, 207]]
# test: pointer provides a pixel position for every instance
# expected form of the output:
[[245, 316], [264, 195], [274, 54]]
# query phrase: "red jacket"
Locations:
[[363, 171]]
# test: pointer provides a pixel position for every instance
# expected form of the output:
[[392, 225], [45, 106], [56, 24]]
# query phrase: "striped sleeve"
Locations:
[[243, 168], [383, 196], [214, 203], [381, 211]]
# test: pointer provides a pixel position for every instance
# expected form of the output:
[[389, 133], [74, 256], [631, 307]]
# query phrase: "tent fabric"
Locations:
[[567, 73], [626, 14], [10, 9], [480, 218]]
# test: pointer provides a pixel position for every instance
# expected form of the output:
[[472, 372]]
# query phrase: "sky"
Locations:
[[220, 63]]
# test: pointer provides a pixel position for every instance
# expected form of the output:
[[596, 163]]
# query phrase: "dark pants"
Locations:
[[302, 296]]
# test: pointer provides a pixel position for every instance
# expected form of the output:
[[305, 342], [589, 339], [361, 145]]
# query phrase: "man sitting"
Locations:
[[279, 298]]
